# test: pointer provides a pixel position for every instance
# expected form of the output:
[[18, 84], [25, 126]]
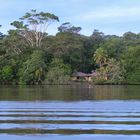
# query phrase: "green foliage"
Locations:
[[6, 73], [114, 72], [131, 39], [67, 27], [28, 55], [134, 78], [32, 27], [113, 46], [1, 34], [97, 36], [110, 70], [58, 73], [131, 62], [100, 56], [33, 70], [69, 47]]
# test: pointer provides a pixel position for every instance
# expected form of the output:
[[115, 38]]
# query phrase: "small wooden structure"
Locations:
[[83, 76]]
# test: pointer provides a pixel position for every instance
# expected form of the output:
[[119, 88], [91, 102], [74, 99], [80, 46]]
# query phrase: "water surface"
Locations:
[[70, 112]]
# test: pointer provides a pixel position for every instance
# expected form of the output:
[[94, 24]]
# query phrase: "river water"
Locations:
[[75, 112]]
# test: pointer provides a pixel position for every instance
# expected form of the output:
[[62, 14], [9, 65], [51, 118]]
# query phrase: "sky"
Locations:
[[109, 16]]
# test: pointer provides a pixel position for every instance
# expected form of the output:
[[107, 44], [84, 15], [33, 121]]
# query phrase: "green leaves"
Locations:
[[33, 70], [7, 73], [38, 18], [100, 56], [110, 70], [32, 27], [1, 34], [67, 27], [19, 25], [131, 62], [28, 55], [58, 73]]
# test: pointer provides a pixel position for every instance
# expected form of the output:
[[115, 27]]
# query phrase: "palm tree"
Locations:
[[100, 56]]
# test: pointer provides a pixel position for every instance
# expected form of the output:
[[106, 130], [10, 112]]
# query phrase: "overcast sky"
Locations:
[[109, 16]]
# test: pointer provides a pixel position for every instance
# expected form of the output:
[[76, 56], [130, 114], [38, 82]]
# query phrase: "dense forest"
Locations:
[[28, 55]]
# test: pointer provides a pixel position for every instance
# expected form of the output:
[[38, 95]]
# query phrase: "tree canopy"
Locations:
[[33, 26], [28, 55]]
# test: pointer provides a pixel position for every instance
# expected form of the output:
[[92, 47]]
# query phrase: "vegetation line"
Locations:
[[28, 55]]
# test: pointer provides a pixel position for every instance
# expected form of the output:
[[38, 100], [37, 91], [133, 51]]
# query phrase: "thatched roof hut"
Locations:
[[81, 74], [87, 77]]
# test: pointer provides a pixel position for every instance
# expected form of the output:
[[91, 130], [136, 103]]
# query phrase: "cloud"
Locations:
[[107, 15], [110, 13]]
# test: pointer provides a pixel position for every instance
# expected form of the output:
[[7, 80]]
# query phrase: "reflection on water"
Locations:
[[70, 112], [70, 93]]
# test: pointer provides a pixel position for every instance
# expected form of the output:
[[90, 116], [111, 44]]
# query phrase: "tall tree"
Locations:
[[97, 36], [131, 63], [100, 56], [33, 26], [33, 70], [67, 27], [113, 46]]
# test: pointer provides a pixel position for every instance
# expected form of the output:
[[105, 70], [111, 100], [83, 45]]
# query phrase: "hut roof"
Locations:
[[81, 74]]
